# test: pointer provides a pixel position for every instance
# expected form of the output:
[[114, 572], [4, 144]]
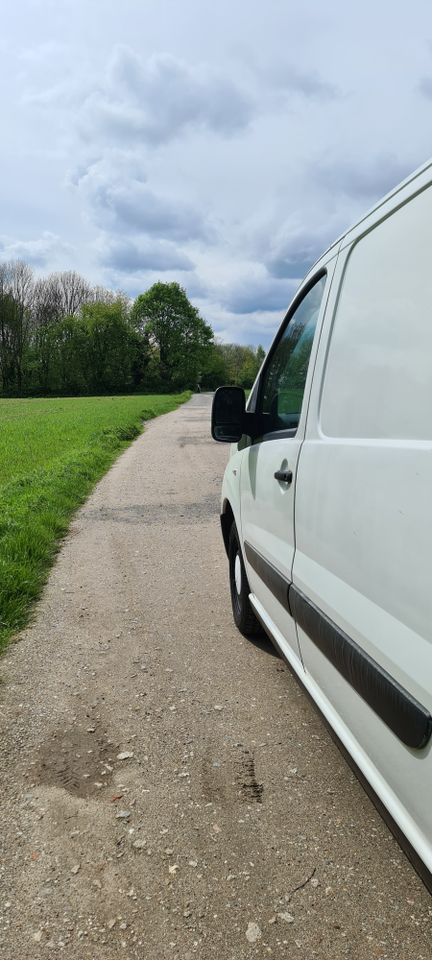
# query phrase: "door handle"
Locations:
[[284, 476]]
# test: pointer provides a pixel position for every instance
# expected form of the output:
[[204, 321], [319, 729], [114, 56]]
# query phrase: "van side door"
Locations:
[[269, 464]]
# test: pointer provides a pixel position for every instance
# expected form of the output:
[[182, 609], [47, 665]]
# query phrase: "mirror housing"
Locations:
[[228, 414], [231, 421]]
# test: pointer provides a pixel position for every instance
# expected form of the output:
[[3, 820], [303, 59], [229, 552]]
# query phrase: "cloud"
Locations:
[[293, 253], [35, 252], [65, 93], [249, 328], [366, 180], [257, 295], [290, 80], [425, 87], [55, 75], [289, 249], [119, 201], [48, 51], [295, 249], [132, 284], [130, 257], [289, 264], [154, 101]]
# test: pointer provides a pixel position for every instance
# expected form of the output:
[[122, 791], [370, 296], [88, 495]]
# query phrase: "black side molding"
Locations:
[[408, 849], [274, 580], [402, 713]]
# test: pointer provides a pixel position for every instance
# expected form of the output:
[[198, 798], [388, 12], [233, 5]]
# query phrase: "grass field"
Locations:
[[51, 454]]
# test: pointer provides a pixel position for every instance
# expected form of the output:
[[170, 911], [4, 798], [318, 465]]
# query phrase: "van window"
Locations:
[[378, 379], [284, 376]]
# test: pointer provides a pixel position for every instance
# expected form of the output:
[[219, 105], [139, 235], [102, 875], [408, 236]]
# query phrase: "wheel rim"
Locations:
[[237, 574]]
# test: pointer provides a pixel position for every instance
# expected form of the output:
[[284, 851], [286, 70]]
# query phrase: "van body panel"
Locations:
[[364, 481]]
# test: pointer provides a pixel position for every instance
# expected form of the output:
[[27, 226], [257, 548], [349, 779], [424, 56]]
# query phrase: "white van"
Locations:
[[327, 500]]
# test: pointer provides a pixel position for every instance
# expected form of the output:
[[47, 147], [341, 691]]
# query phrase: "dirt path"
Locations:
[[232, 828]]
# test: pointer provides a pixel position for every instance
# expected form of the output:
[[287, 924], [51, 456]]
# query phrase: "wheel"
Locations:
[[244, 617]]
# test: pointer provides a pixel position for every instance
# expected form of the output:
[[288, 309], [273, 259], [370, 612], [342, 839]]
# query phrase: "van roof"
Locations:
[[378, 204]]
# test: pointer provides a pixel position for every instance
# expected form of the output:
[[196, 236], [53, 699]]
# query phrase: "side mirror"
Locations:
[[228, 414]]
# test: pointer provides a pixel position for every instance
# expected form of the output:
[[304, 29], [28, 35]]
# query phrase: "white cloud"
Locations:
[[153, 101], [37, 252]]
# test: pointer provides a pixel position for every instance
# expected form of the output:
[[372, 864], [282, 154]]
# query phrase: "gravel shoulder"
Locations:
[[168, 791]]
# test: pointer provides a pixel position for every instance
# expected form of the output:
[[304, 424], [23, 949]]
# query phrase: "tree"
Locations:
[[7, 319], [241, 363], [72, 291], [260, 355], [16, 291], [47, 313], [173, 326], [232, 363], [215, 372], [111, 345], [82, 340]]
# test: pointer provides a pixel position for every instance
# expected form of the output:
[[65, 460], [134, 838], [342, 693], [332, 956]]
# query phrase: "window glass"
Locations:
[[378, 380], [285, 376]]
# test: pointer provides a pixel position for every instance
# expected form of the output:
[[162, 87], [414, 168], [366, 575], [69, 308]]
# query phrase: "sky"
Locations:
[[221, 145]]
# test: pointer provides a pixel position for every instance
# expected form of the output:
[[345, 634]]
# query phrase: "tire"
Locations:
[[244, 617]]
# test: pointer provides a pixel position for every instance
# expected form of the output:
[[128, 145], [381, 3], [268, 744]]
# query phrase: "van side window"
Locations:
[[284, 377]]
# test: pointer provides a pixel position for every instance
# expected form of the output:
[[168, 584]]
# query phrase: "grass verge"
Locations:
[[52, 452]]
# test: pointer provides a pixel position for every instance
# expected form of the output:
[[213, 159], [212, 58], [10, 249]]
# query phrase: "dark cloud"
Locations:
[[289, 265], [289, 251], [119, 201], [295, 249], [258, 295], [153, 101], [129, 257], [366, 180], [293, 255], [137, 207]]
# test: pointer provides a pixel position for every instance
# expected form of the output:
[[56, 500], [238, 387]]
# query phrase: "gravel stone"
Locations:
[[253, 932]]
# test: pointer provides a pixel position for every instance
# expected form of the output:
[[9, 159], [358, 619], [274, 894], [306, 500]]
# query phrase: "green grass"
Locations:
[[51, 454]]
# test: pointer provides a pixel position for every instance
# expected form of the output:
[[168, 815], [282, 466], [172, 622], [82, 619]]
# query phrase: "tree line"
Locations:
[[59, 335]]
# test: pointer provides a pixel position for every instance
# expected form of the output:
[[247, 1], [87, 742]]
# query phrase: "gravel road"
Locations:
[[167, 789]]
